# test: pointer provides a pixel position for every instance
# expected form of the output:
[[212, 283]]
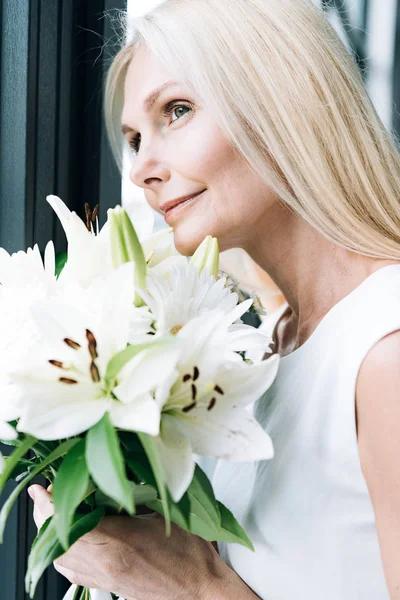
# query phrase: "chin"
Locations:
[[187, 240]]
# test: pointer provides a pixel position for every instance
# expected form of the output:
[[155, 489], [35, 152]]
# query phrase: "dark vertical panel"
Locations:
[[47, 117], [9, 549], [13, 118]]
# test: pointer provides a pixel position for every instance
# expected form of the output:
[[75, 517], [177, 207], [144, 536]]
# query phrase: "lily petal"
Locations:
[[62, 420], [230, 435], [143, 414], [247, 383], [147, 371], [177, 457]]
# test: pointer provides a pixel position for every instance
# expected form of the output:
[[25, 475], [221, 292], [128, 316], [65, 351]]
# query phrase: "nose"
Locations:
[[147, 170]]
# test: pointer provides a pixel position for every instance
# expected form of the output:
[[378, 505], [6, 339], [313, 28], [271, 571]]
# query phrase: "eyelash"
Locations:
[[167, 111]]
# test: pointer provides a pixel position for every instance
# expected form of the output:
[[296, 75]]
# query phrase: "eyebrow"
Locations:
[[151, 100]]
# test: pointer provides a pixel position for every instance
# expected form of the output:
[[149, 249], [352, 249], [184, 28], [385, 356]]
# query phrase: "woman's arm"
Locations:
[[378, 423]]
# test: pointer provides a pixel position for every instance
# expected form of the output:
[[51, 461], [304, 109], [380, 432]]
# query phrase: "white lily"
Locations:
[[62, 383], [89, 252], [205, 412]]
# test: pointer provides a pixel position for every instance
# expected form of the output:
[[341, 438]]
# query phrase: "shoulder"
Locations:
[[378, 424], [378, 391]]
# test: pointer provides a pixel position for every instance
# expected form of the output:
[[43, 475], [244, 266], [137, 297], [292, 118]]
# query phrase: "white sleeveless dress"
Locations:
[[308, 511]]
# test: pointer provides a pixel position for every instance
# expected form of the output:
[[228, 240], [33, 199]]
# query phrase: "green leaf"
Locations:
[[69, 487], [203, 518], [106, 463], [61, 260], [57, 453], [142, 494], [119, 360], [201, 491], [14, 458], [230, 530], [78, 592], [47, 548], [155, 461], [179, 513], [140, 466]]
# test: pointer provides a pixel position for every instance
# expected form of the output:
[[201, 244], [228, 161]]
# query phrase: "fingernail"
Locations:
[[31, 492]]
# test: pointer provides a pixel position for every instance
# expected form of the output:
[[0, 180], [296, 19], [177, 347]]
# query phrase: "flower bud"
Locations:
[[207, 256], [126, 247]]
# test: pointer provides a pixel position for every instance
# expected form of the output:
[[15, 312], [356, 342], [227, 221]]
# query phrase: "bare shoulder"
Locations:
[[378, 420], [378, 390]]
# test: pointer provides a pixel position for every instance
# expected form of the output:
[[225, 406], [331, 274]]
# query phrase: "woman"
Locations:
[[269, 131]]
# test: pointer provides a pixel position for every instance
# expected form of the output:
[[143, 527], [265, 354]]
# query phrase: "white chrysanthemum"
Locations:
[[182, 295], [24, 279]]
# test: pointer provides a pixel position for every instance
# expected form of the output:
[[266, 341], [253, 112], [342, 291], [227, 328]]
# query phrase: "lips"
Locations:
[[172, 203]]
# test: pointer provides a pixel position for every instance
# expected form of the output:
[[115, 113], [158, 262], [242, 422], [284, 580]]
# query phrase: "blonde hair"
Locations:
[[283, 87]]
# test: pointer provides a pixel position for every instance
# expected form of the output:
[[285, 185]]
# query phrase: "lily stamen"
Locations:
[[72, 344], [67, 380], [92, 344], [186, 409], [57, 363], [212, 403], [94, 373]]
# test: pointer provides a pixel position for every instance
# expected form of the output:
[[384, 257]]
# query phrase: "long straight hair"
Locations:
[[284, 88]]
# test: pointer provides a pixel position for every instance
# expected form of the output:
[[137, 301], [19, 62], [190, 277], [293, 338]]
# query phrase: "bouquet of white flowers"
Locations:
[[118, 369]]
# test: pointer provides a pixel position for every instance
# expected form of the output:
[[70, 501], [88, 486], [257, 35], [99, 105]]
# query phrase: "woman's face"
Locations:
[[178, 150]]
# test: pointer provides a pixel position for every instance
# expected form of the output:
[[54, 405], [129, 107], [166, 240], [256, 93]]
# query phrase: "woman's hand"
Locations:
[[132, 557]]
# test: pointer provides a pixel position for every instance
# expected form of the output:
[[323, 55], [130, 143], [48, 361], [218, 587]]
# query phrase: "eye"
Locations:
[[169, 108]]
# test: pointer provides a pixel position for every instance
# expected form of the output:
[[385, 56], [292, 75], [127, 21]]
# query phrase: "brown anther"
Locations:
[[196, 373], [88, 214], [212, 403], [219, 390], [189, 407], [56, 363], [72, 344], [186, 378], [67, 380], [194, 392], [92, 344], [94, 373], [95, 212]]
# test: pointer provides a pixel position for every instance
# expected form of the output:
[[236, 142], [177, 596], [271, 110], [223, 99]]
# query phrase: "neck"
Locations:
[[312, 273]]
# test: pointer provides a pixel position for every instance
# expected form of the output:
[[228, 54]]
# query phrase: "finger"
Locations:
[[43, 507]]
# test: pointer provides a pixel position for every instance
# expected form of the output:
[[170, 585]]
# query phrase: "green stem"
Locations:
[[57, 453], [12, 460]]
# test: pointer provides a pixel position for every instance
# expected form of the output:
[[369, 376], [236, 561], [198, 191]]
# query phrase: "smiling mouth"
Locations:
[[181, 205]]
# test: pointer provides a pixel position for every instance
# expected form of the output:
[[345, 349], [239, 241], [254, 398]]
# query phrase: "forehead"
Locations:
[[145, 74]]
